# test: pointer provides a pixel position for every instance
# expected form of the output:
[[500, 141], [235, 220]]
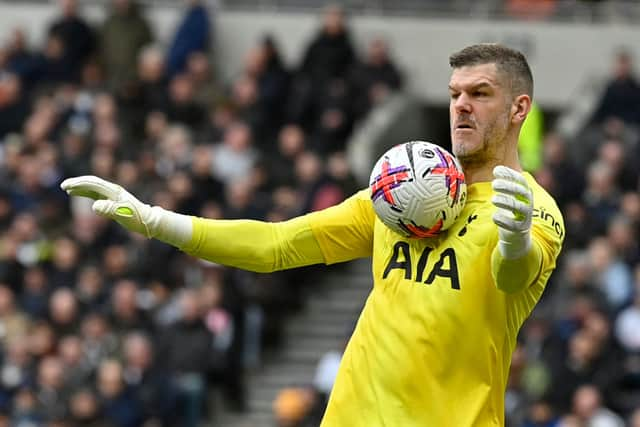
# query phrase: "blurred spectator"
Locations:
[[85, 410], [234, 157], [375, 77], [13, 323], [77, 371], [192, 35], [620, 98], [121, 406], [330, 53], [126, 315], [182, 107], [587, 405], [63, 312], [610, 273], [207, 90], [324, 68], [152, 385], [187, 353], [601, 198], [51, 392], [317, 189], [123, 34], [76, 35]]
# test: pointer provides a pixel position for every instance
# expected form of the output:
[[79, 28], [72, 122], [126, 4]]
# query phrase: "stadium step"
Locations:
[[324, 325]]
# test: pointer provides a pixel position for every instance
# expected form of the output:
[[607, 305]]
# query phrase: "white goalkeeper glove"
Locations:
[[514, 201], [114, 202]]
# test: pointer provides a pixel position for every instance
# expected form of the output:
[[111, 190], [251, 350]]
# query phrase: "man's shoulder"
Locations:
[[545, 208]]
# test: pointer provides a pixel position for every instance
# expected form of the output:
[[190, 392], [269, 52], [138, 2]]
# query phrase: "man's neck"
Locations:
[[484, 172]]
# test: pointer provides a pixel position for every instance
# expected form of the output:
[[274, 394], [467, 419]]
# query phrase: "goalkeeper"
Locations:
[[433, 343]]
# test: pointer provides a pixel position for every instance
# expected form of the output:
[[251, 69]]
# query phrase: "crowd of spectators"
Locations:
[[578, 359], [99, 327]]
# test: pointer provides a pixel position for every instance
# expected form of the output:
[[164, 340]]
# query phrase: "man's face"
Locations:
[[479, 113]]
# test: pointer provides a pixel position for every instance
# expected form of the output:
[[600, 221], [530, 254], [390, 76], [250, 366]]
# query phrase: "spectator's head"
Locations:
[[600, 179], [42, 339], [94, 327], [176, 144], [245, 92], [292, 405], [291, 141], [201, 161], [583, 348], [63, 307], [124, 298], [107, 135], [554, 149], [105, 108], [211, 292], [51, 373], [84, 406], [18, 351], [239, 193], [238, 137], [7, 301], [109, 379], [190, 306], [10, 89], [578, 268], [122, 7], [623, 65], [155, 126], [69, 8], [65, 254], [621, 234], [612, 153], [115, 260], [199, 67], [180, 186], [586, 401], [601, 253], [540, 413], [181, 89], [333, 20], [127, 174], [103, 162], [151, 64], [90, 283], [138, 351], [70, 351], [308, 167], [377, 52], [630, 207], [54, 47], [598, 326]]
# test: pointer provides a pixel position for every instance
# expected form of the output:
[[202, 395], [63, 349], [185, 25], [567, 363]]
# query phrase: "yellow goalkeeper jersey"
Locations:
[[433, 344]]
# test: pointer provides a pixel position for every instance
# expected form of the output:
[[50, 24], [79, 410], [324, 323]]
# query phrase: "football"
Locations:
[[418, 189]]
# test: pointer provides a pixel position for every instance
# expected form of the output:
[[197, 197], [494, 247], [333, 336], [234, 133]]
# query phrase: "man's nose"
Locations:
[[462, 103]]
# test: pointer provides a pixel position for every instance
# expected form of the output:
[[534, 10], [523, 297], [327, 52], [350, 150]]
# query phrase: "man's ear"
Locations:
[[520, 108]]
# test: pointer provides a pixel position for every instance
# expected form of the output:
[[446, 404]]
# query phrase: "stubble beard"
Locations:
[[488, 154]]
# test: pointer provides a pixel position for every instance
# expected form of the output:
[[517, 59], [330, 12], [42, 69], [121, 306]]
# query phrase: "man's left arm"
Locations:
[[522, 250]]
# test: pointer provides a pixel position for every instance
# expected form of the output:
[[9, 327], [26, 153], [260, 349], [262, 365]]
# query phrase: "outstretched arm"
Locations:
[[336, 234]]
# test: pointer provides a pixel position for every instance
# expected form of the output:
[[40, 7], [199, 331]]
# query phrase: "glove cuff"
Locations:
[[170, 227], [517, 246]]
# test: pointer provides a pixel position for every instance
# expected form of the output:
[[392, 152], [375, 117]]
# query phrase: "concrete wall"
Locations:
[[561, 55]]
